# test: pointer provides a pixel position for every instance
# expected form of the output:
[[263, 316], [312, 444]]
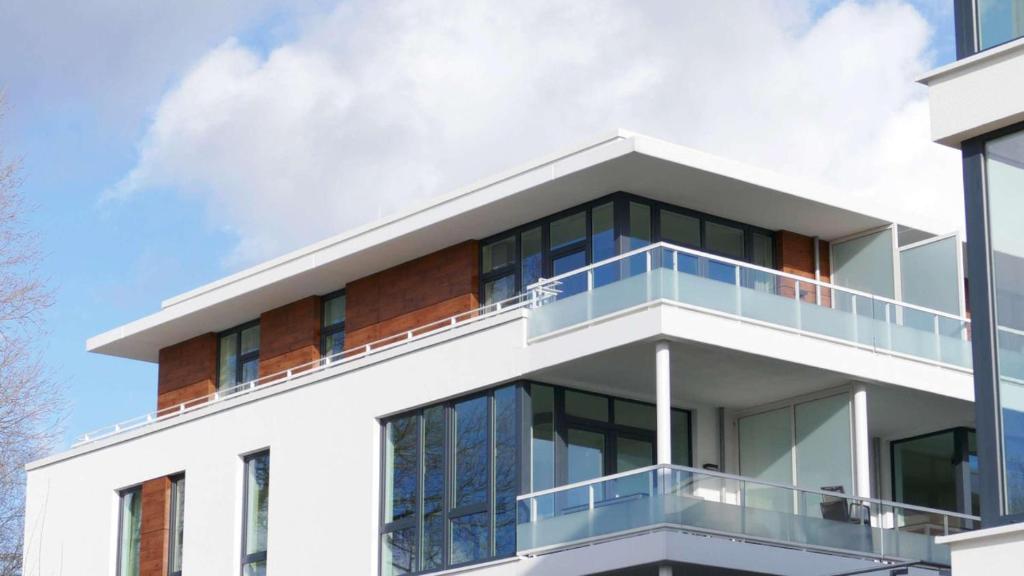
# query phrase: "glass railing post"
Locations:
[[796, 300], [743, 507], [938, 338], [590, 294], [856, 321], [675, 276], [647, 275], [736, 277], [889, 321]]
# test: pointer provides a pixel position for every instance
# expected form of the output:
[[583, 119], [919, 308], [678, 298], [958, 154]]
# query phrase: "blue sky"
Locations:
[[133, 209]]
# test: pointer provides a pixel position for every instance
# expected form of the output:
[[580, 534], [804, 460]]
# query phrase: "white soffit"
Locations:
[[622, 161]]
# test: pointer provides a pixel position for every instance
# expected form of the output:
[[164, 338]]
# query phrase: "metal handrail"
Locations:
[[315, 366], [725, 476], [745, 265]]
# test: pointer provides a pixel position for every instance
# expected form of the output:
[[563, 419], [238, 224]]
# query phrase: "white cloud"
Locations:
[[380, 104]]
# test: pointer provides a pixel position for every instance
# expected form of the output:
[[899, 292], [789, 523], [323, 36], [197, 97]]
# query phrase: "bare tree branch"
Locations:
[[31, 401]]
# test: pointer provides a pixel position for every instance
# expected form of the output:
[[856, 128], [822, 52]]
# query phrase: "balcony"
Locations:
[[717, 504], [678, 276], [701, 281]]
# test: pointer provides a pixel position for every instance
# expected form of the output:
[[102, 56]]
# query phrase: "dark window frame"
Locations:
[[137, 489], [172, 520], [961, 446], [987, 405], [448, 510], [240, 359], [610, 429], [260, 556], [967, 32], [620, 231], [330, 330]]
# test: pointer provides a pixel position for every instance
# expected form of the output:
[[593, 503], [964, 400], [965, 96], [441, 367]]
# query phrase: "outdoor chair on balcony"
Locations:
[[840, 509]]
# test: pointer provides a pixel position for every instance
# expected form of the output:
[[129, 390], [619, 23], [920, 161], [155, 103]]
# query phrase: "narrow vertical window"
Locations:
[[506, 470], [176, 526], [432, 541], [498, 267], [401, 483], [129, 532], [239, 356], [332, 330], [470, 522], [256, 514]]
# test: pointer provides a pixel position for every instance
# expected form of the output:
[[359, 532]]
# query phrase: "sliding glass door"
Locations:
[[807, 444]]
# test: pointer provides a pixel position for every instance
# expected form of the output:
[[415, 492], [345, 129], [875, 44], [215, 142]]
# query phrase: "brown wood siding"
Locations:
[[795, 255], [188, 370], [156, 508], [290, 336], [412, 294]]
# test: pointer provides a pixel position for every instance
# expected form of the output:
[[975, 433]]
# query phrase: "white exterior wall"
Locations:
[[324, 443], [324, 440], [987, 552], [978, 94]]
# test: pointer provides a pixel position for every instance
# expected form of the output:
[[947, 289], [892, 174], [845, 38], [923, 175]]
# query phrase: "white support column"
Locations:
[[664, 401], [861, 441]]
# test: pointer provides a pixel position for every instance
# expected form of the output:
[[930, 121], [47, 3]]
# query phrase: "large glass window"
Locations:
[[807, 444], [999, 21], [256, 514], [579, 435], [605, 228], [937, 470], [1004, 170], [332, 327], [129, 532], [176, 526], [450, 482], [239, 356]]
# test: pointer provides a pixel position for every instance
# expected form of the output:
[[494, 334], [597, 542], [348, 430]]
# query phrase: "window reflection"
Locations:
[[1004, 170]]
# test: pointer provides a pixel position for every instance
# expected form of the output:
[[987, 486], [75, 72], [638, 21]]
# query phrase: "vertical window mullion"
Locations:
[[447, 498], [421, 439]]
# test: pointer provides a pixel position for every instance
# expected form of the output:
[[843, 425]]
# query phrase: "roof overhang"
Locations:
[[621, 162]]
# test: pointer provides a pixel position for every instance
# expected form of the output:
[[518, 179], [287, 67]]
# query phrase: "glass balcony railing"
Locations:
[[733, 506], [752, 293]]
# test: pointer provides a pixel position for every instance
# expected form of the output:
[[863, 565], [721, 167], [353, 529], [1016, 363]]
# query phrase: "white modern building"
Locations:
[[977, 106], [630, 358]]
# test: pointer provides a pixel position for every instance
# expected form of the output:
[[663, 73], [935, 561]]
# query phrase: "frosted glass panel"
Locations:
[[865, 264], [929, 275], [765, 454], [823, 454]]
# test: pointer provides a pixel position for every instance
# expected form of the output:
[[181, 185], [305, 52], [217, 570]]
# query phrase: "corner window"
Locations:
[[129, 532], [256, 510], [239, 356], [176, 526], [999, 21], [1004, 186], [513, 260], [332, 329], [449, 484], [937, 470]]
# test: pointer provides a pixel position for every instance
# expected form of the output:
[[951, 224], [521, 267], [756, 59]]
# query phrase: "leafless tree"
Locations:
[[31, 400]]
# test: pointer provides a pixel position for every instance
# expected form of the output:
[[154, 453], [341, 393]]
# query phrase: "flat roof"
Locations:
[[621, 161]]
